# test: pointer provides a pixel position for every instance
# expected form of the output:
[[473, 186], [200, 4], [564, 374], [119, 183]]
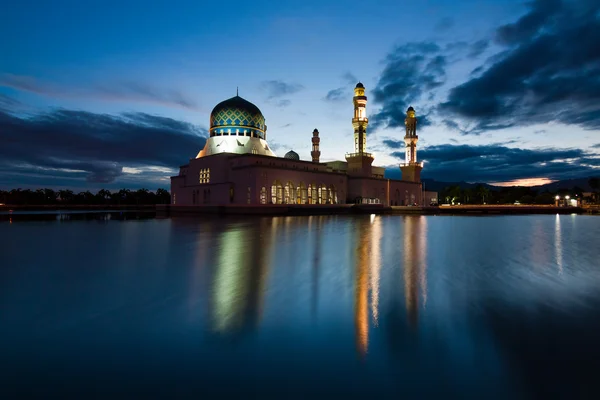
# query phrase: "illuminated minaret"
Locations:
[[411, 169], [315, 153], [359, 162]]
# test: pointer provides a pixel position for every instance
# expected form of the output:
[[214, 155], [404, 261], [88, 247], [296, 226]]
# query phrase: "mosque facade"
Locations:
[[237, 166]]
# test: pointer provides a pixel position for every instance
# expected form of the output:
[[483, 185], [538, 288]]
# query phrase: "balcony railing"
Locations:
[[420, 164], [350, 155]]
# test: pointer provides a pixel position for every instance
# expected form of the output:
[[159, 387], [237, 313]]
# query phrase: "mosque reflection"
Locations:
[[242, 259], [368, 271], [241, 273]]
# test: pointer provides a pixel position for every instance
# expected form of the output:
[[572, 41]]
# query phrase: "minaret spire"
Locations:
[[360, 120], [237, 90], [411, 169], [315, 153], [359, 162]]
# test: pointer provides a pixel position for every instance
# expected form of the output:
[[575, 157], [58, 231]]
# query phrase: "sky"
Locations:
[[112, 94]]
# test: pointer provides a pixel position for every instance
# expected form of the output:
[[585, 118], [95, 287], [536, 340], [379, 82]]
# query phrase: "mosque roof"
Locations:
[[292, 155], [237, 112]]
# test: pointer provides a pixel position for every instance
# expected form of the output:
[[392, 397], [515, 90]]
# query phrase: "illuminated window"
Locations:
[[204, 176], [254, 151], [263, 195]]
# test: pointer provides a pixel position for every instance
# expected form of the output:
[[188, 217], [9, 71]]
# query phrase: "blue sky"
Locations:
[[91, 92]]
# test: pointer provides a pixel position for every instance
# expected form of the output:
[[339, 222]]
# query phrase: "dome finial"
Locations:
[[237, 90]]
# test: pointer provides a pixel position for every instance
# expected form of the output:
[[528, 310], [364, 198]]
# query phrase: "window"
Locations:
[[249, 195], [204, 176], [263, 195]]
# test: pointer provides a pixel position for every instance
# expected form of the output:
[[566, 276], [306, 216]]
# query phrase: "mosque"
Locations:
[[237, 166]]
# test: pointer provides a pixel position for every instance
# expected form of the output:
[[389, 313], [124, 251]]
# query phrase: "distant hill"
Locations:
[[436, 186], [567, 184]]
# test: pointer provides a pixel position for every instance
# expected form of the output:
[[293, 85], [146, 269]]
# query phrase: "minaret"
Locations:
[[411, 169], [360, 120], [359, 162], [315, 153]]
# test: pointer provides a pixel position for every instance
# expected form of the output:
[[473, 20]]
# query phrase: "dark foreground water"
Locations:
[[386, 306]]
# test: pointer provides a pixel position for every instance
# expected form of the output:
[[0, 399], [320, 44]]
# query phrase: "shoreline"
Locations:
[[345, 209], [167, 210]]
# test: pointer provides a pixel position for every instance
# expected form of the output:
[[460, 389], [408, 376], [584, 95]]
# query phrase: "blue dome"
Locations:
[[292, 155], [238, 114]]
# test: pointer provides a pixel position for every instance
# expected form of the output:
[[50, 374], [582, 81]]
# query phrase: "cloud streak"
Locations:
[[66, 147], [549, 71], [498, 163], [123, 91]]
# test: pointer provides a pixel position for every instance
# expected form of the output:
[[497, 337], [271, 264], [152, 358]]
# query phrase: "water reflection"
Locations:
[[558, 244], [431, 307], [415, 265], [241, 273]]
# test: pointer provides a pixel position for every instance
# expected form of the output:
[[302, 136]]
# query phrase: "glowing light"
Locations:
[[375, 267], [557, 197], [524, 182], [558, 244]]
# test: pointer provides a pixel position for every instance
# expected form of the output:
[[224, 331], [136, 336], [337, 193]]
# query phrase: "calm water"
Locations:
[[387, 306]]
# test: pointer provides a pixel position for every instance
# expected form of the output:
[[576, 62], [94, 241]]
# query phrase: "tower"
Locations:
[[359, 162], [411, 169], [315, 153]]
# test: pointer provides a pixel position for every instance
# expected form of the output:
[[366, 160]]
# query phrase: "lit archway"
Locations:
[[289, 193], [276, 193], [301, 193]]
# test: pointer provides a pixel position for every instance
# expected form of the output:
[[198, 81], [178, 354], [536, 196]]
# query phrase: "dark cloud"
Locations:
[[278, 88], [350, 78], [550, 72], [339, 94], [596, 146], [477, 48], [8, 103], [394, 144], [498, 163], [78, 148], [444, 24], [411, 70], [121, 91]]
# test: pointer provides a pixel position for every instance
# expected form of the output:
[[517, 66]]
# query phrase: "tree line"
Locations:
[[481, 194], [103, 196]]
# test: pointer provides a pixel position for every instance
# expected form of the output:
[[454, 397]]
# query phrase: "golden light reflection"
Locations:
[[361, 300], [240, 277], [368, 266], [558, 244], [375, 267], [415, 265]]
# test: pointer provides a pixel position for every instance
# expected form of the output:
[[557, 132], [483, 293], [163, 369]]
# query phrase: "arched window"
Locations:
[[289, 193], [332, 194], [276, 193], [302, 194], [310, 194], [263, 195], [323, 198], [315, 194]]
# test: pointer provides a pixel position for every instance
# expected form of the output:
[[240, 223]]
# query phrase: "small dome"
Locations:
[[410, 109], [292, 155], [359, 85], [237, 112]]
